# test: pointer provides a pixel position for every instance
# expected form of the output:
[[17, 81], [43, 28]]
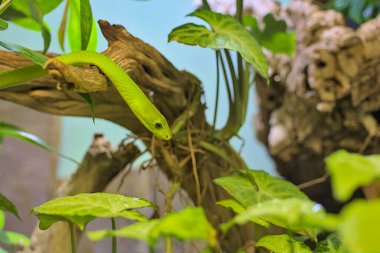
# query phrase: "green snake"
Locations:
[[137, 101]]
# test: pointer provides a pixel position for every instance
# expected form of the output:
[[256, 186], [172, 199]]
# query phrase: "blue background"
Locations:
[[151, 21]]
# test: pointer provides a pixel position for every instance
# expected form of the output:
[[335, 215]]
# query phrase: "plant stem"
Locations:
[[72, 234], [169, 245], [113, 222], [217, 53]]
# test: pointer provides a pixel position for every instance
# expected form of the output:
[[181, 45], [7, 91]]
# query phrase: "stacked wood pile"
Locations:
[[325, 97]]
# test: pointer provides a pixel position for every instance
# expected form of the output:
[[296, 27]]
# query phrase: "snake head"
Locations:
[[161, 129]]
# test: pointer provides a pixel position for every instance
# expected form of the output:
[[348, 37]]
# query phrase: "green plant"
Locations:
[[256, 196], [9, 237]]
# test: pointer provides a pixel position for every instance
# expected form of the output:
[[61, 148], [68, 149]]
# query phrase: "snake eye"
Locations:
[[158, 125]]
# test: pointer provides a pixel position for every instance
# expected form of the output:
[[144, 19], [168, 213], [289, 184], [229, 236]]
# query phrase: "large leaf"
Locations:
[[282, 244], [36, 57], [20, 13], [13, 238], [350, 171], [359, 227], [74, 29], [82, 208], [15, 132], [303, 216], [226, 33], [188, 224], [3, 250], [331, 244], [36, 14], [274, 36], [252, 187], [7, 205]]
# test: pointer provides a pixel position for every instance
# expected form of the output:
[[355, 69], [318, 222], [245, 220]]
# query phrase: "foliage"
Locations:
[[274, 36], [15, 132], [7, 205], [188, 224], [359, 226], [30, 14], [256, 196], [84, 207], [350, 171], [358, 11], [226, 33], [282, 244], [10, 237]]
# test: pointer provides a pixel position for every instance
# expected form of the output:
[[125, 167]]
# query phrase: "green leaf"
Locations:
[[37, 15], [140, 231], [7, 205], [3, 250], [15, 132], [282, 244], [5, 5], [187, 224], [252, 187], [359, 226], [86, 23], [303, 216], [226, 33], [274, 36], [2, 220], [13, 238], [36, 57], [331, 244], [3, 25], [238, 208], [74, 29], [349, 171], [46, 6], [90, 101], [62, 26], [83, 208]]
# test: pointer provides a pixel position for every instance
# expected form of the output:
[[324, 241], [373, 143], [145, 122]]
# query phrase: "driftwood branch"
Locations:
[[176, 93]]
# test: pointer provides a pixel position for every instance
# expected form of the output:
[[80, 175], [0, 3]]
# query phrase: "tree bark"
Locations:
[[324, 98], [177, 95]]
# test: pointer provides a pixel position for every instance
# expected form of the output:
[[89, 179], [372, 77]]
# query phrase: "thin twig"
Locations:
[[113, 222], [72, 235], [195, 172], [314, 181]]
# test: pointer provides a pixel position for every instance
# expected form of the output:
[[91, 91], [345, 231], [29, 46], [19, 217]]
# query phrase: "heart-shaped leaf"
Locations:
[[226, 33], [349, 171], [83, 208], [303, 216], [252, 187], [282, 244], [359, 226]]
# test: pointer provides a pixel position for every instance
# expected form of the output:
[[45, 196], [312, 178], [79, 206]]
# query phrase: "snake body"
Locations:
[[135, 98]]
